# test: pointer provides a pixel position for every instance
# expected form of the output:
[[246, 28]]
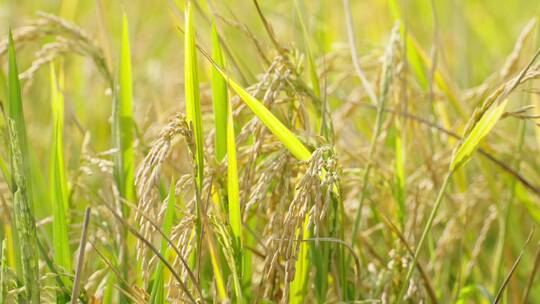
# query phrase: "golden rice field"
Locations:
[[250, 151]]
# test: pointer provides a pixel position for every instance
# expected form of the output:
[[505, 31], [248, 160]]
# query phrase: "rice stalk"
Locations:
[[194, 120], [400, 174], [123, 121], [478, 127], [289, 140], [59, 200], [23, 218], [386, 81], [220, 99], [157, 294], [122, 132], [3, 272], [75, 292], [233, 194], [192, 95]]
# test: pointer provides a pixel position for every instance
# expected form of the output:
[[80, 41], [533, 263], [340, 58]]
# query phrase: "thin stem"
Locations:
[[425, 233], [352, 44], [80, 263]]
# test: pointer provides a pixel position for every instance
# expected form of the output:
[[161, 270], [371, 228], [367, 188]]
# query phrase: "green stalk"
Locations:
[[192, 95], [386, 80], [400, 174], [123, 120], [58, 183], [3, 273], [22, 204], [506, 214], [299, 283], [124, 160], [157, 294], [233, 195], [220, 99], [425, 232], [194, 119]]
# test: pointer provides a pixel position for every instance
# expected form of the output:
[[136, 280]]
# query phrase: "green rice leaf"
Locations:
[[400, 175], [192, 95], [298, 285], [23, 221], [233, 194], [58, 183], [220, 99], [287, 138], [216, 267], [157, 294], [473, 140], [125, 117], [125, 162], [3, 272], [15, 106]]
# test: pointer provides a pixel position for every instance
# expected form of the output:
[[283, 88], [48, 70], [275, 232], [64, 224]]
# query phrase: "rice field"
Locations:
[[248, 151]]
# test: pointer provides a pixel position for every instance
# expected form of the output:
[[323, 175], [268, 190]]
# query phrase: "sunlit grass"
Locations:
[[269, 152]]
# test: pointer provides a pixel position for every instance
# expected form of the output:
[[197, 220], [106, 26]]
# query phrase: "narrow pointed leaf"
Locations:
[[123, 120], [235, 217], [24, 222], [220, 99], [3, 272], [57, 180], [157, 294], [298, 285], [192, 95], [473, 140], [287, 138]]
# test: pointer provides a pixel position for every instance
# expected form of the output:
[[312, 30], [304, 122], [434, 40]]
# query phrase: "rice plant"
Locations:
[[269, 151]]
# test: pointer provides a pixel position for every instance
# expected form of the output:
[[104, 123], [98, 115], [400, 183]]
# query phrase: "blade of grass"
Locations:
[[425, 232], [400, 175], [58, 183], [233, 194], [220, 99], [224, 142], [513, 269], [490, 113], [124, 167], [80, 261], [157, 294], [22, 204], [275, 126], [287, 138], [123, 120], [3, 272], [478, 133], [299, 282], [386, 80], [216, 267], [192, 95], [506, 212], [194, 119], [530, 281]]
